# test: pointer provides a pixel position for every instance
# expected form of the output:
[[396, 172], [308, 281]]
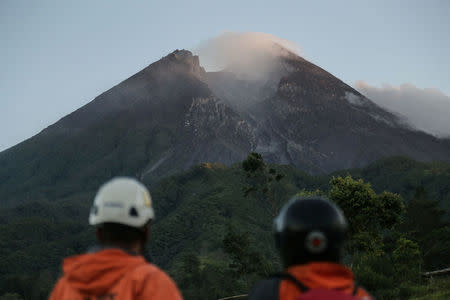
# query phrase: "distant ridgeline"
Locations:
[[212, 230], [173, 115]]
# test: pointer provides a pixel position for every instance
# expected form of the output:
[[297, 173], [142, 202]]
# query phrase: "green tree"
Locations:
[[384, 260], [368, 214], [376, 274], [190, 270], [261, 180], [425, 222], [205, 280], [407, 260], [10, 296], [245, 260], [247, 265], [307, 193]]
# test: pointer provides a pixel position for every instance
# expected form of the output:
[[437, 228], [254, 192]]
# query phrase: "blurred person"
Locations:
[[121, 213], [309, 234]]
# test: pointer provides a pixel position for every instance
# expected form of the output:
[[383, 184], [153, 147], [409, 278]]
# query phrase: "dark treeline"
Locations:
[[213, 228]]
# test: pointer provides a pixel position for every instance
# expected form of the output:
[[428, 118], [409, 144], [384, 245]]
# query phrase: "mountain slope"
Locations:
[[159, 120], [193, 209], [173, 115], [313, 120]]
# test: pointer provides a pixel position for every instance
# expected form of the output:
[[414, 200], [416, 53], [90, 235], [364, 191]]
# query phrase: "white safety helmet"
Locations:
[[122, 200]]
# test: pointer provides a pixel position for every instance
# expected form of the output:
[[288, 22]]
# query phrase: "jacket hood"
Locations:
[[329, 275], [95, 273]]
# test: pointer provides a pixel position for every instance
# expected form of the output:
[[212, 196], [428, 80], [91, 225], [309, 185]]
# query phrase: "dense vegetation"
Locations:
[[212, 232]]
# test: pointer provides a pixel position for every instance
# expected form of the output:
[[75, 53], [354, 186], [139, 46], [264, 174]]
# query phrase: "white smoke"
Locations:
[[249, 52], [425, 109]]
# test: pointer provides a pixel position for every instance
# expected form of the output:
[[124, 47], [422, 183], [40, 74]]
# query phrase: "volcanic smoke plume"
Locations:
[[248, 54], [425, 109]]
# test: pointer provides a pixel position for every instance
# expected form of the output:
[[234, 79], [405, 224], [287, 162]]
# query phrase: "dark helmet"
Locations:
[[310, 229]]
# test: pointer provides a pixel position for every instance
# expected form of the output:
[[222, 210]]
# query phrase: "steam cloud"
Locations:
[[249, 53], [425, 109]]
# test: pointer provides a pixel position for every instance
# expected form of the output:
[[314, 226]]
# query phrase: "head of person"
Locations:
[[310, 229], [122, 212]]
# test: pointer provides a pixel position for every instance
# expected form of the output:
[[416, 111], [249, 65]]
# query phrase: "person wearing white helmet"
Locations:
[[122, 212]]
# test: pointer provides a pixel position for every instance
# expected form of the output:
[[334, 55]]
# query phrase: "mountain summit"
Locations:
[[173, 114], [304, 116]]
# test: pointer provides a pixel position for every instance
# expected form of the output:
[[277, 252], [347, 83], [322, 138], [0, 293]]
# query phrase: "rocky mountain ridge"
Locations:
[[173, 114]]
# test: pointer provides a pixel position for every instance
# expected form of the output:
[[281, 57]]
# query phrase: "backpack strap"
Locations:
[[303, 288], [269, 289], [265, 290]]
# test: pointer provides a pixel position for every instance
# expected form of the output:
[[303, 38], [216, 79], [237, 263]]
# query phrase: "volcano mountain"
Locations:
[[173, 114]]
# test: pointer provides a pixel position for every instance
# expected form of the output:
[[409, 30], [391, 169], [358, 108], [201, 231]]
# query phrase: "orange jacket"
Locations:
[[320, 275], [112, 274]]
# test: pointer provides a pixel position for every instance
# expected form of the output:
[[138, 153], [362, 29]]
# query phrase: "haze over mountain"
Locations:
[[173, 114], [425, 109]]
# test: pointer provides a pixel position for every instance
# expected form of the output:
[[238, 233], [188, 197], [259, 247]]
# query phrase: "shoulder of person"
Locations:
[[58, 288], [149, 271], [362, 294], [152, 281]]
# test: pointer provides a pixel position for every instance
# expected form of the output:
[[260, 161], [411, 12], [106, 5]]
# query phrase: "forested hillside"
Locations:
[[213, 224]]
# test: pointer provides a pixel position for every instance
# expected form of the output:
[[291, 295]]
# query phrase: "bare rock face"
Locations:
[[173, 114], [160, 120], [313, 120]]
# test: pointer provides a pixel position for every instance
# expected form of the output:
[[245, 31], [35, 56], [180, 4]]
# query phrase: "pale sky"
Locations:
[[56, 56]]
